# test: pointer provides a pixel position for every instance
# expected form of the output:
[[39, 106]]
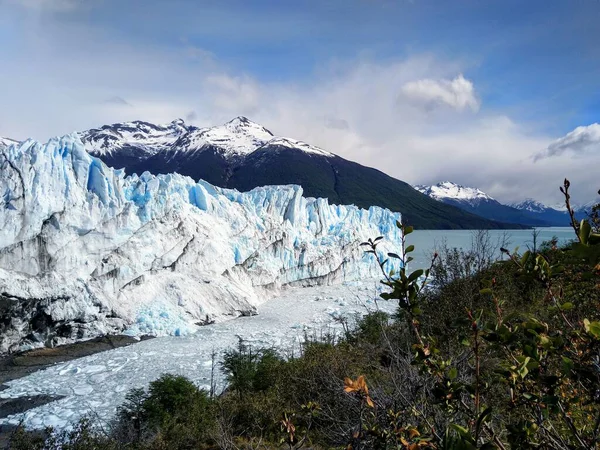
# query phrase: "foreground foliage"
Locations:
[[498, 355]]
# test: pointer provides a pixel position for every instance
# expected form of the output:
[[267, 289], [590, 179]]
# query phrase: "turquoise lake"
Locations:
[[427, 241]]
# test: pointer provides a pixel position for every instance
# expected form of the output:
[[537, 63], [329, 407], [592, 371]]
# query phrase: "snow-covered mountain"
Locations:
[[478, 202], [586, 208], [85, 250], [531, 205], [140, 140], [447, 190], [556, 214], [139, 137], [242, 154]]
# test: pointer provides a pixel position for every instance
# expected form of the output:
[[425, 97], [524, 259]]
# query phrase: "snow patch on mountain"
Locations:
[[294, 144], [238, 137], [146, 137], [87, 251], [535, 206], [449, 190]]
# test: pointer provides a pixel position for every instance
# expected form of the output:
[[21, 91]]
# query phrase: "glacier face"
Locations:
[[87, 251]]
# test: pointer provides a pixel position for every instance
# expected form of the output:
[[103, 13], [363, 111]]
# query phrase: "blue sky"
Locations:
[[485, 81]]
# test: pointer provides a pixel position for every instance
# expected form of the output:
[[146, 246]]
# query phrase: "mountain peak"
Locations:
[[146, 137], [532, 205], [239, 120], [244, 125], [451, 190], [178, 121]]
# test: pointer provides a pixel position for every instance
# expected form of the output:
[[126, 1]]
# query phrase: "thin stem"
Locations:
[[565, 191]]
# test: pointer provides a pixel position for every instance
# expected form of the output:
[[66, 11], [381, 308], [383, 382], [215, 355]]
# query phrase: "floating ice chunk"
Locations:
[[83, 390]]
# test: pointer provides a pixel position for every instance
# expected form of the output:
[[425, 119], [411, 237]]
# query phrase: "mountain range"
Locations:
[[242, 154], [528, 212]]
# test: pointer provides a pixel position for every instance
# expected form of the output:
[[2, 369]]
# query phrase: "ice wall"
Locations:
[[86, 251]]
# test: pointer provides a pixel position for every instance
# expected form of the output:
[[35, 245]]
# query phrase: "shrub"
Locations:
[[173, 408], [248, 370]]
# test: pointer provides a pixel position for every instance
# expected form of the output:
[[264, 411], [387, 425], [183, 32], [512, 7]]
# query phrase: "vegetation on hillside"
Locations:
[[482, 354]]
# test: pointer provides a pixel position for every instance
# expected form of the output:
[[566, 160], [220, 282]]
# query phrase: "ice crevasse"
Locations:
[[86, 251]]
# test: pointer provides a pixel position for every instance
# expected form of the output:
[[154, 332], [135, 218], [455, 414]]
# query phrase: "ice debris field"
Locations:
[[97, 384]]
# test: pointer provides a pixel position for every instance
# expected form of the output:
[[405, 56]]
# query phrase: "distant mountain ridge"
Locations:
[[447, 190], [528, 212], [553, 214], [242, 154], [478, 202]]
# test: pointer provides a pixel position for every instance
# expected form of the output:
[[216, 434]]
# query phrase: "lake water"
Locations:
[[427, 241]]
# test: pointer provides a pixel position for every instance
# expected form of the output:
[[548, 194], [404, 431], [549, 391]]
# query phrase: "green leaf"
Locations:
[[593, 328], [452, 373], [463, 433], [481, 419], [486, 291], [585, 230], [398, 224], [410, 248], [408, 229], [394, 255], [525, 257], [545, 341], [566, 306], [523, 370], [415, 275], [567, 365]]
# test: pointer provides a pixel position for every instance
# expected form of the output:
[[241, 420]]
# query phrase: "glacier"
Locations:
[[86, 251]]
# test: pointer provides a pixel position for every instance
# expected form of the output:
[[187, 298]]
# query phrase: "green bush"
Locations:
[[172, 409], [250, 370]]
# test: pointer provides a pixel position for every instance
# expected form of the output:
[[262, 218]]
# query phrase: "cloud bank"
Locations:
[[458, 93], [417, 118], [584, 140]]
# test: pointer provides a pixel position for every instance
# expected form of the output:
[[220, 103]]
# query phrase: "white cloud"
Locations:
[[458, 93], [59, 82], [233, 93], [582, 140]]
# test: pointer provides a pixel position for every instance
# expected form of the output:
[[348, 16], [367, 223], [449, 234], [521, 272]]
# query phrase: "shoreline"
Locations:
[[24, 363], [18, 365]]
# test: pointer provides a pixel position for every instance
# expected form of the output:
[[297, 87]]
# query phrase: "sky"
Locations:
[[499, 95]]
